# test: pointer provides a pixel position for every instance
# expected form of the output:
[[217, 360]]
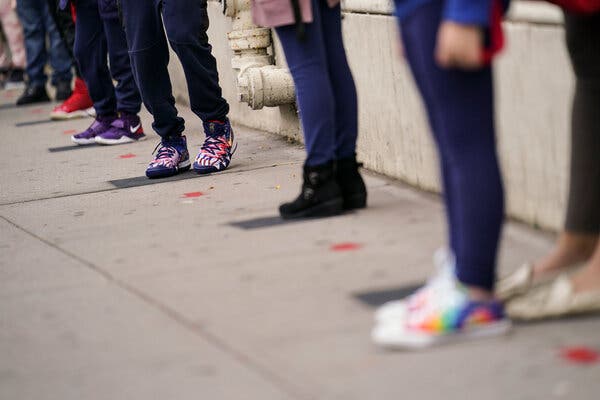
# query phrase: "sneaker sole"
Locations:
[[122, 140], [61, 116], [83, 142], [204, 170], [326, 209], [183, 166], [419, 342]]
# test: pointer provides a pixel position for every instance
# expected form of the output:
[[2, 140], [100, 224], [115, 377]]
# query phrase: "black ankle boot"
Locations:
[[320, 195], [33, 94], [351, 183]]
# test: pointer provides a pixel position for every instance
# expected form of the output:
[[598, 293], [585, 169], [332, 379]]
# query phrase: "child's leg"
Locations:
[[91, 53], [308, 64], [342, 82], [149, 54], [460, 106], [127, 94], [186, 23]]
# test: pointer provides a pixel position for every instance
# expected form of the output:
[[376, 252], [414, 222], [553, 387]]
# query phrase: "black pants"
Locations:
[[583, 42], [185, 23], [100, 37]]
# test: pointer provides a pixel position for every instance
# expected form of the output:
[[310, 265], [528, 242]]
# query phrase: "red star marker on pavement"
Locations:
[[346, 246], [580, 355], [128, 155], [70, 131]]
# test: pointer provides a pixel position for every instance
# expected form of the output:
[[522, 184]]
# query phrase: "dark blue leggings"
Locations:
[[324, 85], [460, 107]]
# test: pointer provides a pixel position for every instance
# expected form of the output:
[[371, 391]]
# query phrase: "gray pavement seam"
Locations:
[[276, 380]]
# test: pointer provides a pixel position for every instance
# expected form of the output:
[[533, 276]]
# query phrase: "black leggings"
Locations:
[[583, 42]]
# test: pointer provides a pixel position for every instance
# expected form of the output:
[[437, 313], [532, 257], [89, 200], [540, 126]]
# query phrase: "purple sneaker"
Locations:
[[99, 126], [125, 129]]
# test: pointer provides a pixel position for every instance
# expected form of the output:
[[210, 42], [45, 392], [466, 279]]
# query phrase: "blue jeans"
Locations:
[[185, 23], [460, 107], [37, 23], [324, 85], [99, 37]]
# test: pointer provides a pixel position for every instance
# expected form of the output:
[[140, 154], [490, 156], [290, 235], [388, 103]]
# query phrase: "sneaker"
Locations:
[[63, 90], [125, 129], [444, 275], [15, 79], [32, 95], [171, 158], [217, 150], [98, 127], [78, 105], [448, 315]]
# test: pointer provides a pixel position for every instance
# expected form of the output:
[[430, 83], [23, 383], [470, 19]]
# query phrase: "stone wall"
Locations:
[[533, 86]]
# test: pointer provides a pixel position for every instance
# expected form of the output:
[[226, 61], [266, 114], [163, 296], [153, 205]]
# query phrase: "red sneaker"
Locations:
[[79, 105]]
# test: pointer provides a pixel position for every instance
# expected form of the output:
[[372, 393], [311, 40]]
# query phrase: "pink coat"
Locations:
[[272, 13]]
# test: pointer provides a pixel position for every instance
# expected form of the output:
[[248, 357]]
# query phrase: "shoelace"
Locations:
[[215, 146], [164, 151]]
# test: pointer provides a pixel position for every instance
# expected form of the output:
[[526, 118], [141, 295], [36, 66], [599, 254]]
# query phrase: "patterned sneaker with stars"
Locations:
[[218, 148], [171, 158]]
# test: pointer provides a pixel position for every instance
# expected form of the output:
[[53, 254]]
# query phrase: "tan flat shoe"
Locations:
[[516, 283], [556, 299]]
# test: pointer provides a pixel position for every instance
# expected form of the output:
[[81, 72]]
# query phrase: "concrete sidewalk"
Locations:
[[113, 286]]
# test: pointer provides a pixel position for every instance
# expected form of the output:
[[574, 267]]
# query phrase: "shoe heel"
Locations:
[[355, 201], [327, 209]]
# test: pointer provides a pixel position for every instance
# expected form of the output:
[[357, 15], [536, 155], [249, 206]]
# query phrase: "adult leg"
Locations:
[[92, 56], [342, 82], [347, 173], [467, 145], [577, 241], [309, 67], [583, 212], [66, 28], [321, 194], [60, 59], [186, 23], [32, 20], [417, 44], [127, 94], [583, 40], [149, 54]]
